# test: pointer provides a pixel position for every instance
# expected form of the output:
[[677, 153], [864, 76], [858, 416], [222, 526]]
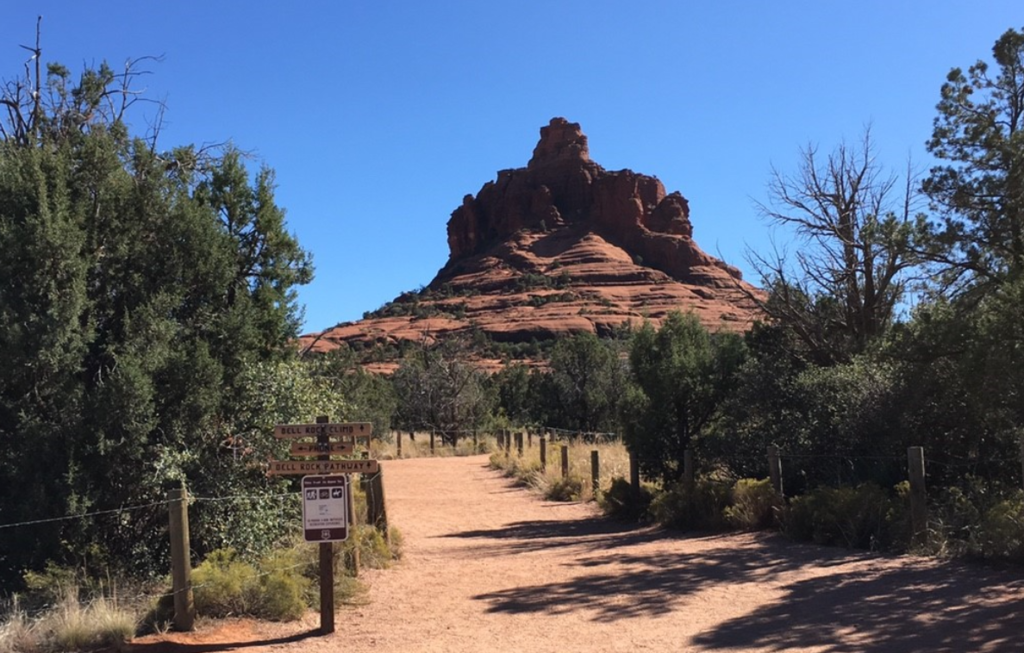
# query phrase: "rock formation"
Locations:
[[561, 246]]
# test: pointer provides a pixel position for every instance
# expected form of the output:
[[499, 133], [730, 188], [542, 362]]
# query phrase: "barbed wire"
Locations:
[[88, 514]]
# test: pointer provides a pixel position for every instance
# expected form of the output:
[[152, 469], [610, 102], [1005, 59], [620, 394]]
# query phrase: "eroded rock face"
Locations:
[[558, 247], [561, 185]]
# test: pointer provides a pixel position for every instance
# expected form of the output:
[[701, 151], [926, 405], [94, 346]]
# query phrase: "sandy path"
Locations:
[[490, 567]]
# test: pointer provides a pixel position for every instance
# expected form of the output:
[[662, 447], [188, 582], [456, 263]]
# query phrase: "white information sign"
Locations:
[[325, 508]]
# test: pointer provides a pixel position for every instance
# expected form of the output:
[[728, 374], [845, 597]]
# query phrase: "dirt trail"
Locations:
[[491, 567]]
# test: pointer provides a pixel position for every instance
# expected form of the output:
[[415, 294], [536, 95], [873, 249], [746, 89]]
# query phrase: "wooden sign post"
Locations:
[[325, 495]]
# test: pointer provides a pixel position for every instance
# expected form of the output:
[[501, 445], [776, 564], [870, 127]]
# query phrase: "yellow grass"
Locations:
[[613, 462], [419, 447], [69, 626]]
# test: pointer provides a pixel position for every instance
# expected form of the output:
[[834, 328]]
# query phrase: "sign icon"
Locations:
[[325, 510]]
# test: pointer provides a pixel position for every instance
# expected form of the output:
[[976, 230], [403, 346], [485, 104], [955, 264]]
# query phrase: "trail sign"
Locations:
[[325, 508], [350, 429], [299, 467], [318, 449]]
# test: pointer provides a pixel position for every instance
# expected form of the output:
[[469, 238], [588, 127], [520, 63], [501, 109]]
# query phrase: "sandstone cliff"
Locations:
[[557, 247]]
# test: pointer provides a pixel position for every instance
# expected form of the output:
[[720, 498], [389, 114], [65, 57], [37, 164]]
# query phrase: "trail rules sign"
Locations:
[[325, 508]]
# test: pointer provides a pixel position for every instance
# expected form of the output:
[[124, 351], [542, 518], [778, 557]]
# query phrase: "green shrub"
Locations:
[[621, 501], [754, 504], [857, 517], [224, 585], [374, 552], [1001, 534], [282, 597], [565, 489], [700, 507]]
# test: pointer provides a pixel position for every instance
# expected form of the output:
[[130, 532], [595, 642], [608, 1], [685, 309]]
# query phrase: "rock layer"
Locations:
[[557, 247]]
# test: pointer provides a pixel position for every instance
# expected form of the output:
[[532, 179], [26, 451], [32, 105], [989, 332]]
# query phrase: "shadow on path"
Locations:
[[168, 646], [856, 601]]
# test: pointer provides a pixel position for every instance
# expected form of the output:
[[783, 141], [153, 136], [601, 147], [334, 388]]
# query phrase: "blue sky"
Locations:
[[379, 116]]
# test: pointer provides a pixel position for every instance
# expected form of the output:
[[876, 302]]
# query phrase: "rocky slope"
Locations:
[[558, 247]]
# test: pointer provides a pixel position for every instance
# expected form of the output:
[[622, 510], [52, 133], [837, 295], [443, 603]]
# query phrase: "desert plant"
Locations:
[[569, 488], [754, 503], [855, 517], [622, 501], [698, 506], [72, 626]]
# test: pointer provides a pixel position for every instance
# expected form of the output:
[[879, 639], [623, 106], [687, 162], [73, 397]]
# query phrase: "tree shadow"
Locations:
[[942, 608], [585, 534], [169, 646], [860, 603]]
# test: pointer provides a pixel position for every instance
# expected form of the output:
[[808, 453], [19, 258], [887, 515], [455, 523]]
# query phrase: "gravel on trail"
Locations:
[[488, 566]]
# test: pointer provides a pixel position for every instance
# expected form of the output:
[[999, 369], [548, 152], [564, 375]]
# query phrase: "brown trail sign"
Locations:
[[327, 500], [301, 467], [349, 429], [317, 449]]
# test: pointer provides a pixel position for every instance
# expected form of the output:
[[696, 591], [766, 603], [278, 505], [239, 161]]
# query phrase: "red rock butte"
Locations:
[[559, 247]]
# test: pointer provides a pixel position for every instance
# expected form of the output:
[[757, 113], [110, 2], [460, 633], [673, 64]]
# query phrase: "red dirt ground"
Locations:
[[492, 567]]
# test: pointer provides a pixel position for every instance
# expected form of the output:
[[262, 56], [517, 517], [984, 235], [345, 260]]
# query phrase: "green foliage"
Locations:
[[979, 137], [225, 585], [860, 517], [754, 504], [621, 501], [586, 378], [139, 285], [681, 375], [438, 389], [697, 507], [569, 488]]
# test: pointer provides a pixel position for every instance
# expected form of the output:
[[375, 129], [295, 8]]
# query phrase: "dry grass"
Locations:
[[18, 633], [419, 447], [69, 626], [613, 461]]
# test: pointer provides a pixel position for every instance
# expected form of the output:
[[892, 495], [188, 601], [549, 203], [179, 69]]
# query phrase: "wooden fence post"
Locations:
[[529, 439], [376, 508], [595, 472], [431, 442], [565, 461], [775, 469], [634, 471], [519, 444], [398, 444], [918, 494], [181, 568], [543, 454], [476, 442]]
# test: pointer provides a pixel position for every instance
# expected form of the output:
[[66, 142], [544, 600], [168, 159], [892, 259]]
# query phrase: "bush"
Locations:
[[754, 504], [282, 596], [859, 517], [1002, 530], [225, 586], [565, 489], [700, 507], [621, 501], [70, 626]]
